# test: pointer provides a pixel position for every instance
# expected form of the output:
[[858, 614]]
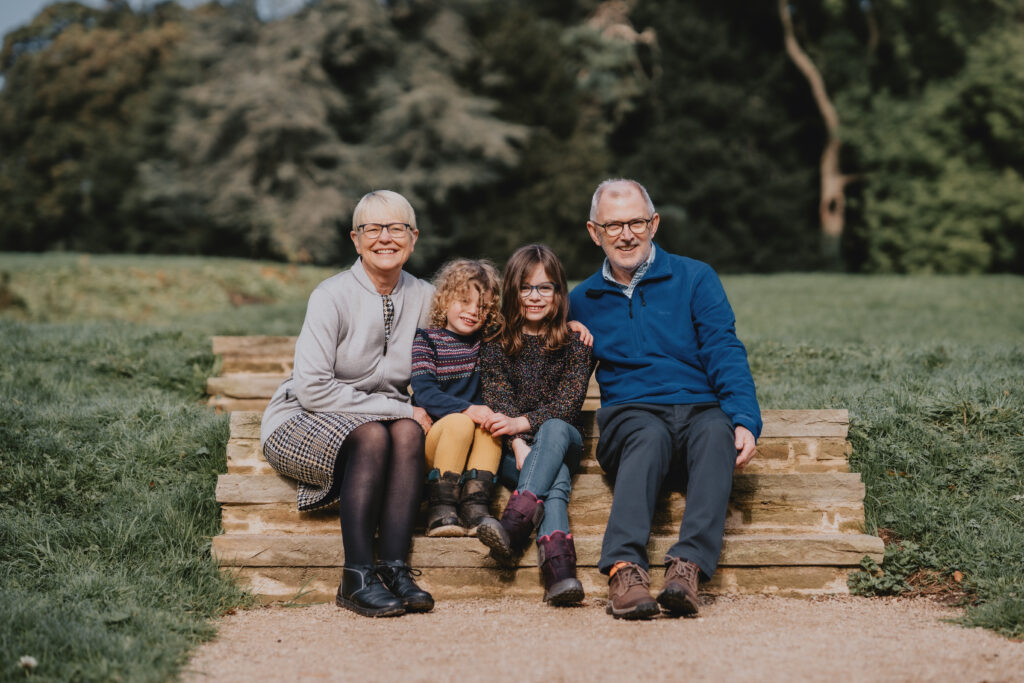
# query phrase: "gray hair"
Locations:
[[383, 200], [611, 186]]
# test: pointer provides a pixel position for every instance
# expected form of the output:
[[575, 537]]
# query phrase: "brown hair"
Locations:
[[554, 330], [455, 279]]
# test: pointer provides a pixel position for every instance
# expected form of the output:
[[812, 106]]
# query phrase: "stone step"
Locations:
[[773, 455], [319, 584], [801, 550], [778, 424], [765, 503]]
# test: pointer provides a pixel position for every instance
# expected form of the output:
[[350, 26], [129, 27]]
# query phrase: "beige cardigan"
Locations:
[[340, 366]]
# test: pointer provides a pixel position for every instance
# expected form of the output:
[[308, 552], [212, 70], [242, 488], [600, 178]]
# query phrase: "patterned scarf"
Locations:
[[389, 318]]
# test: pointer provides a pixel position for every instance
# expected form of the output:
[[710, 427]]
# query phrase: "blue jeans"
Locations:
[[547, 472]]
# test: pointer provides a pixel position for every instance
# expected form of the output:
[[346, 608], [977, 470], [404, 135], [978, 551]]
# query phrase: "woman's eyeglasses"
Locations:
[[396, 230]]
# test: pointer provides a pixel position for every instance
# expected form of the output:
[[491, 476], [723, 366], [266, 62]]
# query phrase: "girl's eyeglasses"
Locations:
[[545, 289]]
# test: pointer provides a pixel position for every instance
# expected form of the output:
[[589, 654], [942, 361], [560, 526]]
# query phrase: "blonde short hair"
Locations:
[[382, 200], [455, 279]]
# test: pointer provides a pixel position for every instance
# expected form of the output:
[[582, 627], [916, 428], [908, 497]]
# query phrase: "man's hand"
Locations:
[[478, 413], [745, 446], [521, 450], [585, 336], [420, 415], [503, 425]]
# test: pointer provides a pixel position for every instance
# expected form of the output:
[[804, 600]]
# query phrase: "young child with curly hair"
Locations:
[[462, 456]]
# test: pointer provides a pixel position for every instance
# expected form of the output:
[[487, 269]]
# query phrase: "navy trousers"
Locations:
[[687, 448]]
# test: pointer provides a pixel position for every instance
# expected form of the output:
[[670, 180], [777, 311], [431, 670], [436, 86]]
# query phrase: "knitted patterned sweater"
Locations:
[[538, 384], [445, 376]]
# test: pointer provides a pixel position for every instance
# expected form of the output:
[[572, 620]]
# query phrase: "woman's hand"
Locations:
[[478, 413], [521, 450], [503, 425], [421, 416], [585, 336]]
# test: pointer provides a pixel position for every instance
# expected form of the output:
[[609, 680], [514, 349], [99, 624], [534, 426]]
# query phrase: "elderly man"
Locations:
[[678, 400]]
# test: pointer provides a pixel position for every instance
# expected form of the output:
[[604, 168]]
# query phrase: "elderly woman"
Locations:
[[343, 424]]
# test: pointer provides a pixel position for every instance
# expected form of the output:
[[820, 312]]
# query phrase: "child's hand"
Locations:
[[478, 414], [421, 416], [585, 336], [500, 425], [521, 450]]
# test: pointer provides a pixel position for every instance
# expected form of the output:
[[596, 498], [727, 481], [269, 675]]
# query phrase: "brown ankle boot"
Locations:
[[475, 499], [442, 497], [679, 594], [556, 555], [629, 594], [508, 538]]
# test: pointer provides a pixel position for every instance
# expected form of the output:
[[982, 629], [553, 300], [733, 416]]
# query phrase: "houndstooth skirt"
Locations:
[[306, 449]]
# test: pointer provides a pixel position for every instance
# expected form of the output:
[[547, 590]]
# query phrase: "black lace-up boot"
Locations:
[[397, 577], [362, 592]]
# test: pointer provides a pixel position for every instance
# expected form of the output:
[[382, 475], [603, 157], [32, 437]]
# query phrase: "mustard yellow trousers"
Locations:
[[455, 443]]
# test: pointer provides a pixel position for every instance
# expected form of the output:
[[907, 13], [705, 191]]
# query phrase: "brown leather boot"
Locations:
[[508, 538], [629, 594], [442, 497], [679, 594], [475, 499], [556, 555]]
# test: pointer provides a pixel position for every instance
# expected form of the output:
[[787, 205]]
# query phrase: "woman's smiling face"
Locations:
[[385, 253]]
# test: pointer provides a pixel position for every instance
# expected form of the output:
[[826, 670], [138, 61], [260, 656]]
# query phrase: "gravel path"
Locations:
[[751, 638]]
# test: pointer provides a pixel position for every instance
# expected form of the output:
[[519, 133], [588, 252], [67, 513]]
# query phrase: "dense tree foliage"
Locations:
[[211, 131]]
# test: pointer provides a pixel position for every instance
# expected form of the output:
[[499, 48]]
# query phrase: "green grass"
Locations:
[[108, 457], [932, 371]]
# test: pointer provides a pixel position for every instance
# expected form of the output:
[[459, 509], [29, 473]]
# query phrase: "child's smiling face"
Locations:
[[464, 312], [536, 296]]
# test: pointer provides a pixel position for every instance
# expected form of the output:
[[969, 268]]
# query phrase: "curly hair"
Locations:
[[554, 329], [455, 279]]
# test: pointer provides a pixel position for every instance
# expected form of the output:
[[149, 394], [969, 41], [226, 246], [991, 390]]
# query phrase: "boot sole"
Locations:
[[369, 611], [424, 606], [447, 531], [565, 592], [678, 603], [641, 611], [494, 539]]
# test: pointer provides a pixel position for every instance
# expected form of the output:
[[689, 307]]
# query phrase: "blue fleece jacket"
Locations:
[[673, 343]]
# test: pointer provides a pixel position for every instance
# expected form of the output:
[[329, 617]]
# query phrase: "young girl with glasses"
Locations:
[[462, 456], [535, 375]]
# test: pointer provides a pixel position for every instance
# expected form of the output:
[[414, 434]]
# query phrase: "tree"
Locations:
[[76, 82]]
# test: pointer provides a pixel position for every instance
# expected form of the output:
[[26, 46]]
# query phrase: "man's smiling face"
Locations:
[[625, 251]]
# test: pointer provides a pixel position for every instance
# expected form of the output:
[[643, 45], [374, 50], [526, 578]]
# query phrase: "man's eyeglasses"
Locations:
[[396, 230], [545, 289], [637, 226]]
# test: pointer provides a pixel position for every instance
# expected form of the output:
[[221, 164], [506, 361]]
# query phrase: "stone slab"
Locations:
[[803, 427], [590, 490], [832, 550], [319, 584]]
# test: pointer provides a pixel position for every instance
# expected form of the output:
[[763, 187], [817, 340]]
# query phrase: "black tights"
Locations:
[[381, 468]]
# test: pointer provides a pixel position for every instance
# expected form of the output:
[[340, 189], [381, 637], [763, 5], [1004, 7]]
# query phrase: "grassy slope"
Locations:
[[107, 456]]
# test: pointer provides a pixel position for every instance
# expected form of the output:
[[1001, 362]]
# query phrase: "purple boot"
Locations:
[[556, 555], [510, 536]]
